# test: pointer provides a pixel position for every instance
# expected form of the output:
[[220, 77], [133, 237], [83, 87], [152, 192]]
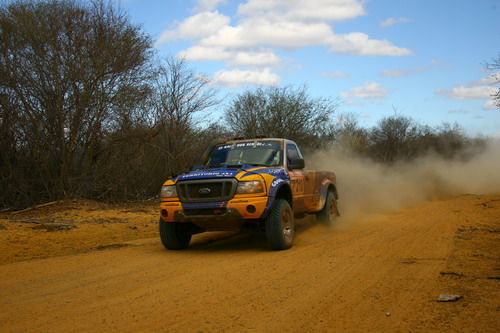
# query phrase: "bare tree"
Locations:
[[399, 138], [494, 65], [282, 112], [394, 138], [69, 71], [179, 95], [349, 135], [162, 140]]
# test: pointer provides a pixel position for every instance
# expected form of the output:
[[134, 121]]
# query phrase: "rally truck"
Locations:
[[259, 184]]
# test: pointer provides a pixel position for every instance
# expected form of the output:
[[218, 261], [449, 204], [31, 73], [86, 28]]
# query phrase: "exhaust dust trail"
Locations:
[[366, 187]]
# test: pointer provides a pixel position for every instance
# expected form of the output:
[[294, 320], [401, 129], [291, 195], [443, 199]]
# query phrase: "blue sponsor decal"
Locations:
[[231, 173], [277, 172], [275, 186], [217, 173]]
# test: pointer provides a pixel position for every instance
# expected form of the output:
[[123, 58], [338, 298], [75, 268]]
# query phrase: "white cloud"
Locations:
[[303, 11], [490, 105], [395, 73], [196, 26], [358, 43], [334, 75], [262, 26], [257, 58], [393, 20], [371, 90], [286, 24], [199, 53], [291, 35], [463, 93], [207, 5], [480, 89], [238, 78], [260, 32], [488, 80]]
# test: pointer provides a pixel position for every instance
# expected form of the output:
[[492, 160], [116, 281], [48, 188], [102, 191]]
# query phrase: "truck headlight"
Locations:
[[168, 191], [253, 186]]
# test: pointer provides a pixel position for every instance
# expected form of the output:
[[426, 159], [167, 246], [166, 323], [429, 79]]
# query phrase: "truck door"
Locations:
[[296, 179]]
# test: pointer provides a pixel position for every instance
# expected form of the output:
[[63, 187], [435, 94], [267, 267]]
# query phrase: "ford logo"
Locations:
[[204, 191]]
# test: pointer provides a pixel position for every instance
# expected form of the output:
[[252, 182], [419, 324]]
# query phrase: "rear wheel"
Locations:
[[330, 210], [175, 236], [280, 225]]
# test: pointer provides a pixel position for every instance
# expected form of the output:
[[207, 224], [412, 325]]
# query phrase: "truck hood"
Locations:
[[239, 173]]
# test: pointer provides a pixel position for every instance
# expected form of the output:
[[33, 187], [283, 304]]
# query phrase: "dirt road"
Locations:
[[376, 274]]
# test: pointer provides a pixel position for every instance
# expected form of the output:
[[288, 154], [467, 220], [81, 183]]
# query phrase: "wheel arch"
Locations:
[[280, 189], [333, 188], [285, 192], [326, 187]]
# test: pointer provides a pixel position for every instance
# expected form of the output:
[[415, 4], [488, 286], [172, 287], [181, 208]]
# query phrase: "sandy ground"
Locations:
[[96, 226], [370, 274]]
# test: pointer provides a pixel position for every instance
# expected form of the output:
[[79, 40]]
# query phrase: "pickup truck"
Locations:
[[254, 183]]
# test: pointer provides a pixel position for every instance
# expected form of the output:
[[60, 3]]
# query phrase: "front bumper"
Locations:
[[215, 216]]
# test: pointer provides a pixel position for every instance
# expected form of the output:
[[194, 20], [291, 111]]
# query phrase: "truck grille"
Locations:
[[206, 190]]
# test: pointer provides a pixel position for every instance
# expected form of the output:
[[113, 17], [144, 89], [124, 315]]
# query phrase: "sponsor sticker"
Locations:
[[276, 182], [253, 144], [209, 174]]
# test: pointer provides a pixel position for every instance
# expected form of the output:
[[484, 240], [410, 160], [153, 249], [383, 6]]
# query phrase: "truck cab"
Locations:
[[254, 183]]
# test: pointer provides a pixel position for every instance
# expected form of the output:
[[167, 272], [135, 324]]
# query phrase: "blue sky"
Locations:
[[424, 58]]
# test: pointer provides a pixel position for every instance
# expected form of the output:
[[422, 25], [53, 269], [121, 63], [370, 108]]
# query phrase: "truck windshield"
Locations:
[[259, 153]]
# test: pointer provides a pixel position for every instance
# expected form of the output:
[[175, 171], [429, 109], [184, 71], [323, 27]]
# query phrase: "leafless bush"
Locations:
[[395, 138], [166, 140], [69, 72], [85, 110], [399, 138], [349, 136], [286, 112]]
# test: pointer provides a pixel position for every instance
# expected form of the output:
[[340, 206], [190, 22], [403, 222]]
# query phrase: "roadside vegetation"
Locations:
[[87, 109]]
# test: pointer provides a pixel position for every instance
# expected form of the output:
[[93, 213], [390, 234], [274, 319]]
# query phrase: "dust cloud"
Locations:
[[366, 187]]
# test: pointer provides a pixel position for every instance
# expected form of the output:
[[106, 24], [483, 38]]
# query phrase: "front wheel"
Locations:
[[174, 235], [280, 225]]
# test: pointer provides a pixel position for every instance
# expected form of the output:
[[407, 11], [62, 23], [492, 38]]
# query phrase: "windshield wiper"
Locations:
[[237, 166]]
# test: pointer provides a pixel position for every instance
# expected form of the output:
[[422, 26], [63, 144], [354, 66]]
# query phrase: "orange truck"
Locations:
[[258, 184]]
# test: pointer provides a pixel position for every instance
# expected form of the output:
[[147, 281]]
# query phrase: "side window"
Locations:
[[292, 153]]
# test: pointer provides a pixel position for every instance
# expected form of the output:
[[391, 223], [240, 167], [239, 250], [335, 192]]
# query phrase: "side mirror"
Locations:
[[297, 163]]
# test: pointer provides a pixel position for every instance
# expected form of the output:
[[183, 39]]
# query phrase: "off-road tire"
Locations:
[[280, 225], [175, 236], [330, 211]]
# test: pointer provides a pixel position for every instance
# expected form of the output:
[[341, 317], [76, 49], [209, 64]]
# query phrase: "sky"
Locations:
[[420, 58]]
